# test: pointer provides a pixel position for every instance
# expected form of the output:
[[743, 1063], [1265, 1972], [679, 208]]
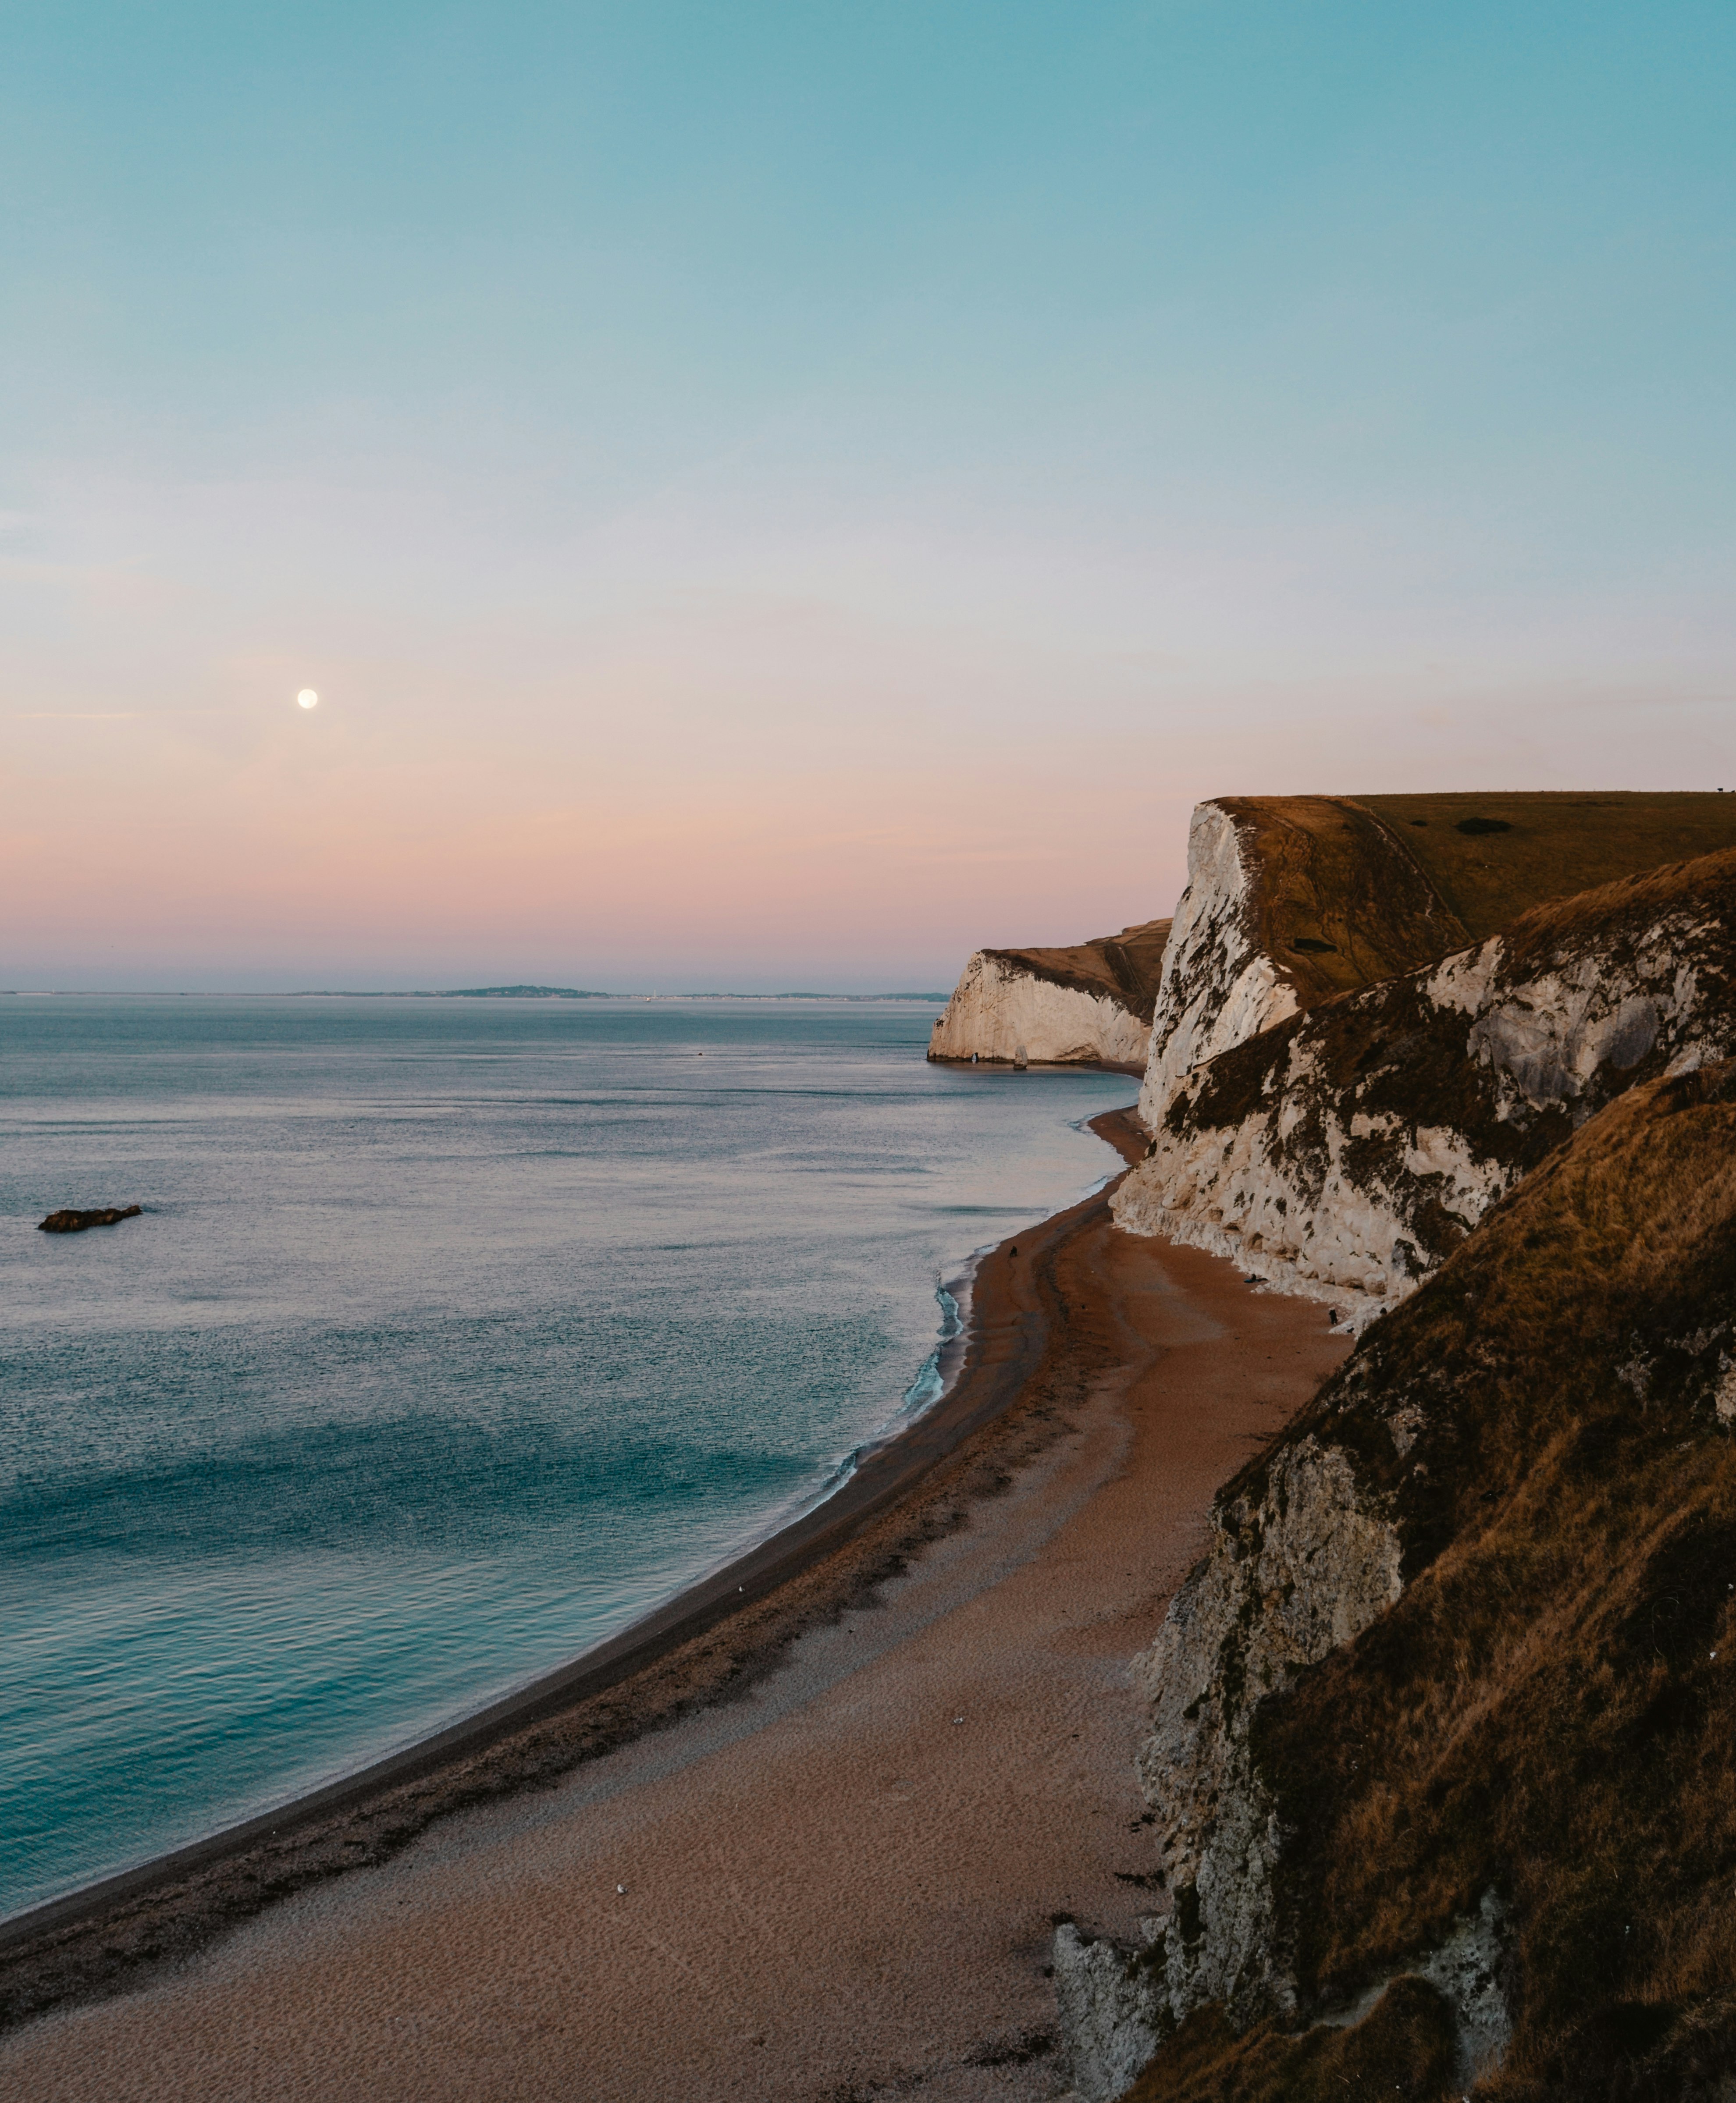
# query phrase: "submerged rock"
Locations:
[[75, 1223]]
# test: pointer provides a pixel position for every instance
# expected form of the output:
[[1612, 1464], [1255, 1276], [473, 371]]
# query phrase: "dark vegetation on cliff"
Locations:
[[1548, 1712], [1123, 968]]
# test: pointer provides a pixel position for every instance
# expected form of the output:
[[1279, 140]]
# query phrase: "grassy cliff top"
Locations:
[[1493, 855], [1123, 967], [1337, 899], [1348, 891]]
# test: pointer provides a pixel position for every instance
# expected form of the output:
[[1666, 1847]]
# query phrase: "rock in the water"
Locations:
[[75, 1223]]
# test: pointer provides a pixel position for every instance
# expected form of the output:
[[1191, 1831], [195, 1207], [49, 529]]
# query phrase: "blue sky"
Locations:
[[874, 467]]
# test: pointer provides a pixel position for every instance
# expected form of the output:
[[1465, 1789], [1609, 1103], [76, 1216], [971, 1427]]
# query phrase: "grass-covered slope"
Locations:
[[1294, 899], [1336, 898], [1490, 857], [1545, 1720], [1348, 891]]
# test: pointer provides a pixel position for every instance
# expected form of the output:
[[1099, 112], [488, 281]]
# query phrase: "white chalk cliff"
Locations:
[[1344, 1153], [1219, 984], [1289, 900], [1304, 1557], [1088, 1005], [1420, 1665]]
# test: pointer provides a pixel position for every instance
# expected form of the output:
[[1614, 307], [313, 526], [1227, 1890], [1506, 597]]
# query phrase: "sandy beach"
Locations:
[[845, 1810]]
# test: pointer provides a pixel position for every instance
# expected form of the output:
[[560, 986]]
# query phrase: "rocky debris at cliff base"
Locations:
[[69, 1222]]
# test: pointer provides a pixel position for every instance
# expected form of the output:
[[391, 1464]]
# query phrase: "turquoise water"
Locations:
[[454, 1336]]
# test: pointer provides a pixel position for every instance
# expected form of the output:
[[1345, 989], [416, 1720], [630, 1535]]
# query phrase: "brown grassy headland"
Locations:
[[1491, 856], [1337, 900], [1349, 891]]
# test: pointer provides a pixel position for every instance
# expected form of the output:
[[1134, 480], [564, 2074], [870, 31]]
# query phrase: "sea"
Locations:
[[455, 1335]]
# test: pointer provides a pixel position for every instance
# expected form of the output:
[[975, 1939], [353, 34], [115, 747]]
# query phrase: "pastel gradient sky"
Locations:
[[782, 495]]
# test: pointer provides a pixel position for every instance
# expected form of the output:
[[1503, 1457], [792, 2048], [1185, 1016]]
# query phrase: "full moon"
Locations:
[[308, 698]]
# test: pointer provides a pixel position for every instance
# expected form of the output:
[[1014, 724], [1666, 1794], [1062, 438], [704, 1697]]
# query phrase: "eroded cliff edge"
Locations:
[[1438, 1746], [1441, 1743]]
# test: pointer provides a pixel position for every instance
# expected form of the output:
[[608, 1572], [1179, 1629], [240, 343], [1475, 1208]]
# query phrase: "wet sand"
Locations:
[[844, 1816]]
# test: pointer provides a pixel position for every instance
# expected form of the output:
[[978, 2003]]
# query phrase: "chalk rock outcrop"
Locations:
[[1114, 2010], [1289, 900], [1089, 1005], [1303, 1558], [1347, 1151]]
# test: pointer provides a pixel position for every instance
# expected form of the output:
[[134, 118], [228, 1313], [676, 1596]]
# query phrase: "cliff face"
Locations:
[[1289, 900], [1441, 1747], [1292, 899], [1441, 1755], [1347, 1152], [1091, 1004]]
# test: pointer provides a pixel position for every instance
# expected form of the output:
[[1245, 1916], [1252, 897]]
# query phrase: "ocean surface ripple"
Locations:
[[455, 1336]]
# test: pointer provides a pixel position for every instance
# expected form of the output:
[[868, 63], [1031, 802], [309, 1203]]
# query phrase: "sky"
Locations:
[[776, 495]]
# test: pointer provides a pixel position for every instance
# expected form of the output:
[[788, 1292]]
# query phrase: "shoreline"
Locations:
[[103, 1936]]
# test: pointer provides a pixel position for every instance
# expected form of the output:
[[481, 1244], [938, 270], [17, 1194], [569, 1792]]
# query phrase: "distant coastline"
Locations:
[[578, 993], [433, 993]]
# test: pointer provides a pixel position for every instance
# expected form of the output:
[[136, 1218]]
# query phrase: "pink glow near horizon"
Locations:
[[785, 497], [803, 765]]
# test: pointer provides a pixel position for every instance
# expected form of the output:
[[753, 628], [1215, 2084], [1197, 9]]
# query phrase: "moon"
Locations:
[[308, 698]]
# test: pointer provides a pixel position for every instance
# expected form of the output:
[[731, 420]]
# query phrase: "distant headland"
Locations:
[[453, 992], [580, 992]]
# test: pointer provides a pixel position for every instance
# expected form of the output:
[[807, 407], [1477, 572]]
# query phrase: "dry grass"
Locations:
[[1556, 843], [1551, 1709], [1351, 890], [1404, 2048], [1339, 900]]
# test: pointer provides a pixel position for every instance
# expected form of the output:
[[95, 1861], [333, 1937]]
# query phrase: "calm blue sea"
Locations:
[[455, 1335]]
